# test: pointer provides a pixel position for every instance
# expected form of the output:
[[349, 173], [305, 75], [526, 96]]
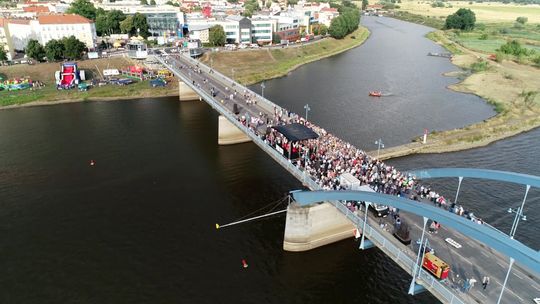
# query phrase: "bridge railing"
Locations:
[[399, 256], [266, 104], [375, 236]]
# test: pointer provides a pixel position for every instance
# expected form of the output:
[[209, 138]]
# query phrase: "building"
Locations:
[[200, 32], [240, 29], [262, 29], [327, 14], [163, 20], [51, 27], [4, 34], [19, 32]]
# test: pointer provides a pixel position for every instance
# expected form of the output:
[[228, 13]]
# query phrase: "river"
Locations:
[[139, 226]]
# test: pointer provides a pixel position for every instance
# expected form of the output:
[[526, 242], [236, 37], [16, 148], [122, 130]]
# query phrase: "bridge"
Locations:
[[513, 268]]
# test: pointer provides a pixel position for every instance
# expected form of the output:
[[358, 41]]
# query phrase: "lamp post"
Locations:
[[262, 87], [380, 145], [307, 108], [232, 70], [211, 63], [519, 215]]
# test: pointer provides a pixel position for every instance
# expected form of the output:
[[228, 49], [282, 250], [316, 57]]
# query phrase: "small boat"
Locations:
[[375, 93]]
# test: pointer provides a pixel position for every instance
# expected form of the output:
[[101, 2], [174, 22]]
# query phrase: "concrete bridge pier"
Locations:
[[229, 134], [185, 93], [313, 226]]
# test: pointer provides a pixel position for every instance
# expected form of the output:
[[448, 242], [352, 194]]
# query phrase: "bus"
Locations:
[[137, 50]]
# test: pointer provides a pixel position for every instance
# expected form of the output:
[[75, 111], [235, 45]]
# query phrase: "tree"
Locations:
[[462, 19], [338, 28], [364, 4], [73, 48], [54, 50], [126, 26], [34, 50], [522, 20], [144, 2], [140, 25], [217, 36], [84, 8], [323, 29], [3, 53], [109, 22], [153, 2], [276, 39]]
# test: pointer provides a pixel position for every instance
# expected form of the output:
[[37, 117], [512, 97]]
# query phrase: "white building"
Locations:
[[327, 14], [51, 27], [48, 27], [240, 29], [19, 32], [262, 29], [162, 19], [201, 32], [4, 34]]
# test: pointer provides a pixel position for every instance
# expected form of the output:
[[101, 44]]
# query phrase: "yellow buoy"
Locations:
[[217, 226]]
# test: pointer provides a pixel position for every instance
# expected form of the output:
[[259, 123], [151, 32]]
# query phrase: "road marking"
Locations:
[[485, 254], [498, 263], [536, 287], [482, 295], [518, 276]]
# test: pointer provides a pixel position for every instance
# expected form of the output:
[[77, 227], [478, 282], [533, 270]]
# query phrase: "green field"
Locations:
[[49, 93], [496, 35]]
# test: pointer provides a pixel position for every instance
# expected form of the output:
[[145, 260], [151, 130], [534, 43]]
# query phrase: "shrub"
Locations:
[[522, 20], [504, 31], [479, 66], [514, 48], [483, 36], [463, 19]]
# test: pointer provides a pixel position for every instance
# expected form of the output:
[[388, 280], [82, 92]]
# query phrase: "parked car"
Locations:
[[158, 82]]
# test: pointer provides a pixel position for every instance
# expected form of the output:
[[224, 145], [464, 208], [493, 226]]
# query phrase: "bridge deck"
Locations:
[[473, 258]]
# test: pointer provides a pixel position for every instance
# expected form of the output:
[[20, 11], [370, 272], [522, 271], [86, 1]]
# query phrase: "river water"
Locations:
[[138, 227]]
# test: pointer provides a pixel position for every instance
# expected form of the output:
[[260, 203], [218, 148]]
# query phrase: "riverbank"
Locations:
[[48, 94], [257, 65], [512, 88]]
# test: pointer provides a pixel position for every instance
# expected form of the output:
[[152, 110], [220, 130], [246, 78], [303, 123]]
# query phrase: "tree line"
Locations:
[[111, 22], [346, 23], [54, 50]]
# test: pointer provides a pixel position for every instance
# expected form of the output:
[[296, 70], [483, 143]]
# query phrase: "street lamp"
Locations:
[[519, 215], [262, 87], [380, 145], [211, 62], [307, 110], [232, 70]]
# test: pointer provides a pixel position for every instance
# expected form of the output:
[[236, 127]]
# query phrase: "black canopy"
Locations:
[[296, 132]]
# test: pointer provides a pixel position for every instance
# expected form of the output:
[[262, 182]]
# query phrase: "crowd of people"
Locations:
[[327, 157]]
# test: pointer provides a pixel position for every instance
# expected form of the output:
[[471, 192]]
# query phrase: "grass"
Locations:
[[45, 72], [256, 65], [491, 12], [50, 94], [433, 22]]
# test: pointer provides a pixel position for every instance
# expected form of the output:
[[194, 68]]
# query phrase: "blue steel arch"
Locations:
[[492, 238], [504, 176]]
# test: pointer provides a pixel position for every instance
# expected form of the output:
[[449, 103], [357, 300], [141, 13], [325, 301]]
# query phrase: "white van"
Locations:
[[378, 210]]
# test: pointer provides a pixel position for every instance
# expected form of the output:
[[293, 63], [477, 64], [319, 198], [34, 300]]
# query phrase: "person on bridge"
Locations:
[[485, 282]]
